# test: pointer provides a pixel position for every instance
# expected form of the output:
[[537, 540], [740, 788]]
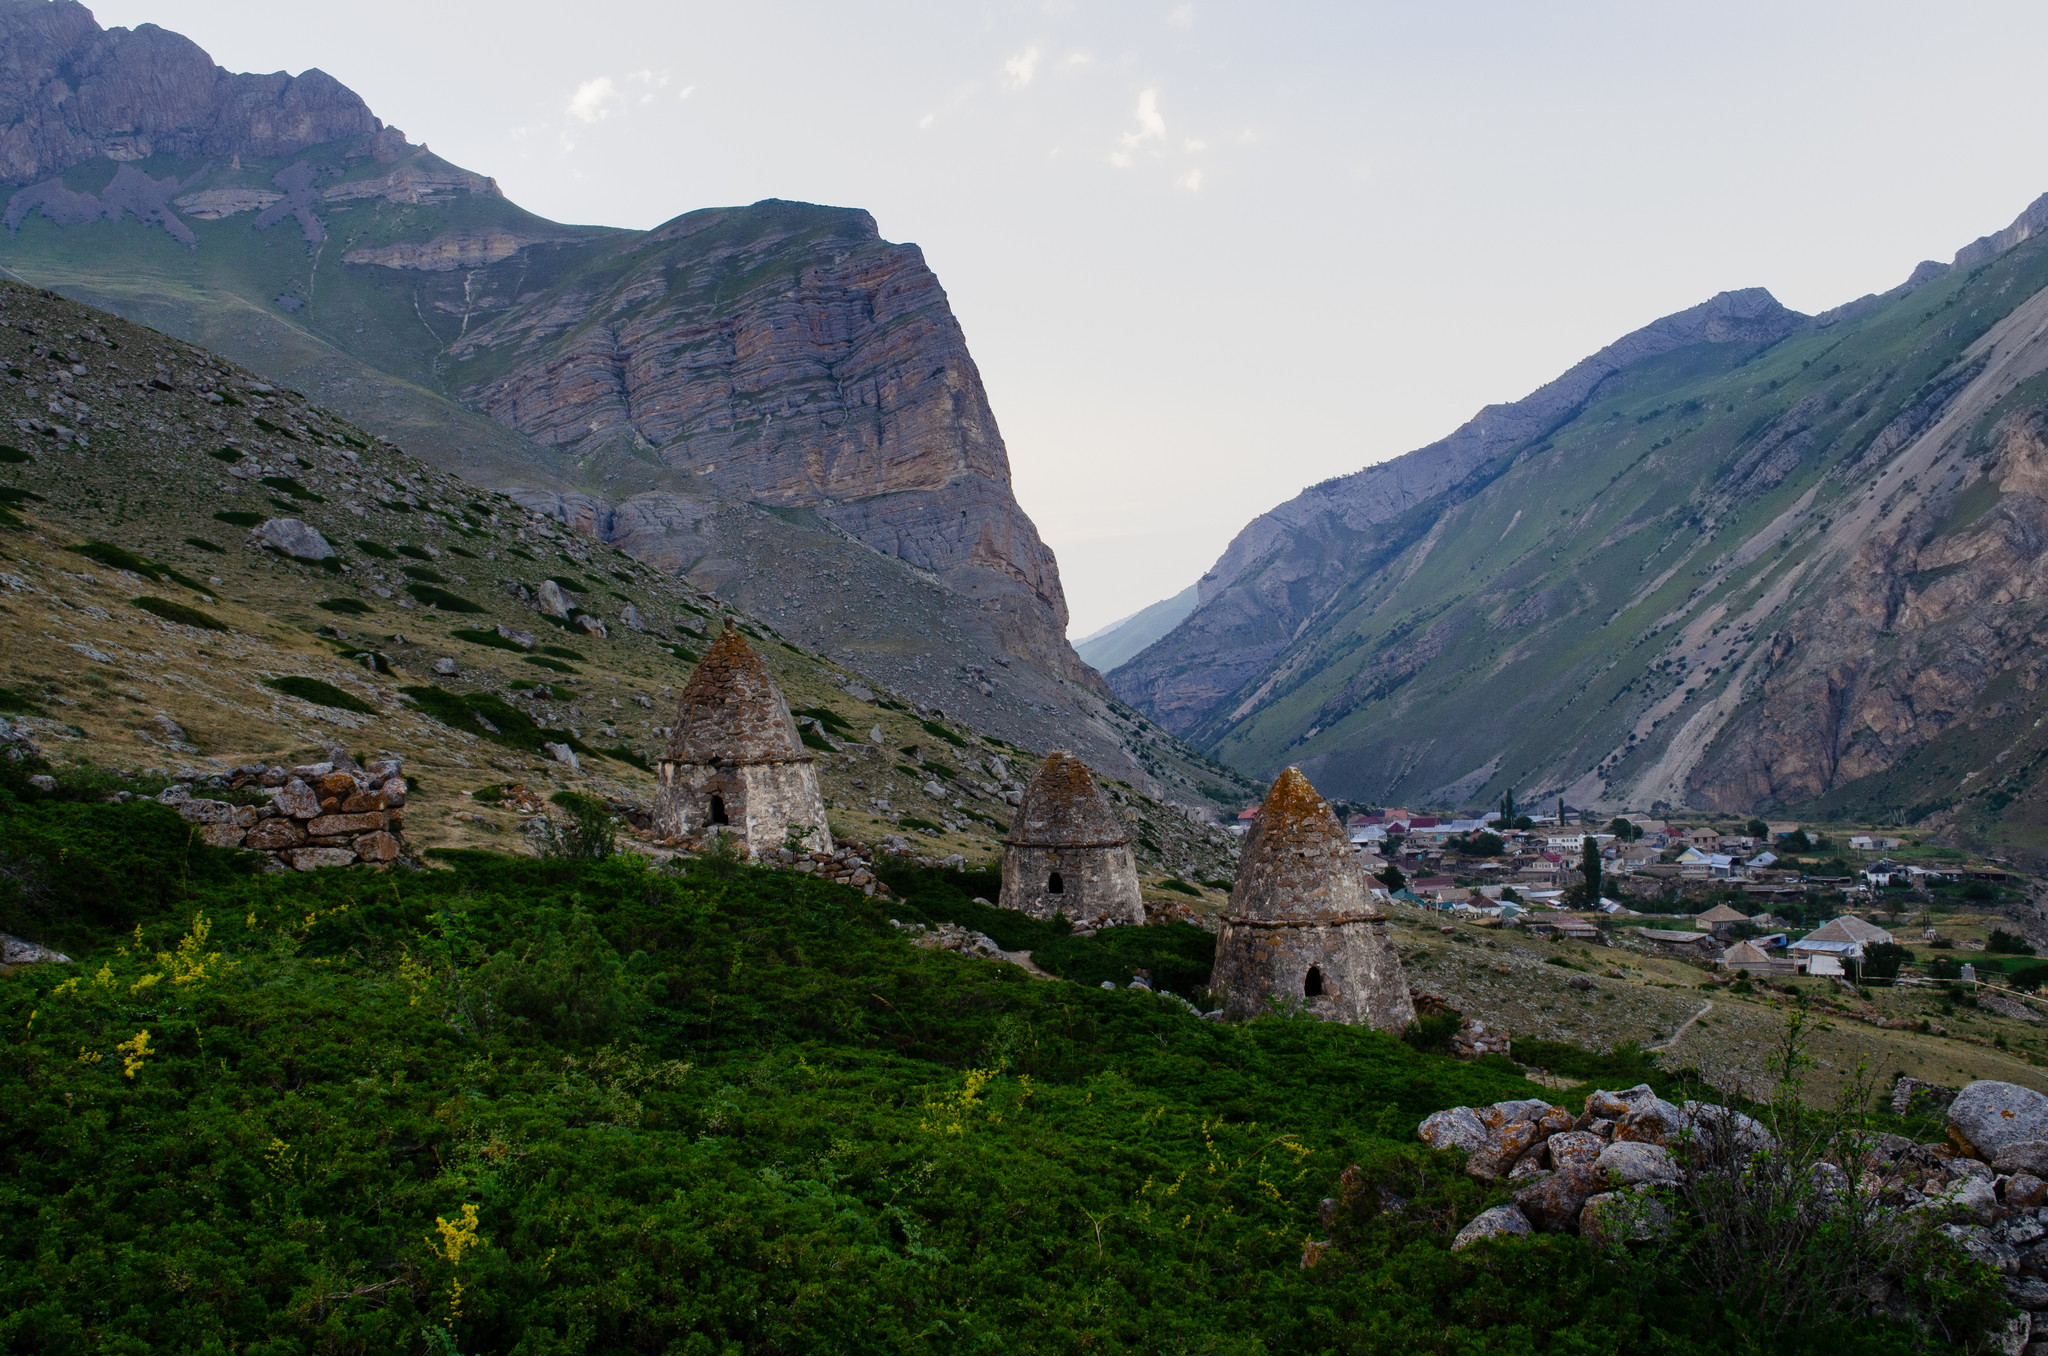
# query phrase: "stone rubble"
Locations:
[[319, 814], [1596, 1174]]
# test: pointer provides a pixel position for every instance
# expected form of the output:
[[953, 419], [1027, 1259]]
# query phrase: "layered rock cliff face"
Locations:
[[1744, 559], [786, 355], [648, 386], [72, 92]]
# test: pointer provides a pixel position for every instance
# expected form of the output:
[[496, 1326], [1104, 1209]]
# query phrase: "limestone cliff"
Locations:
[[786, 355], [72, 92], [781, 354]]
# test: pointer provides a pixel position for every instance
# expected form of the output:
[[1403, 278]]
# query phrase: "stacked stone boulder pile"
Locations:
[[1578, 1173], [844, 865], [320, 814]]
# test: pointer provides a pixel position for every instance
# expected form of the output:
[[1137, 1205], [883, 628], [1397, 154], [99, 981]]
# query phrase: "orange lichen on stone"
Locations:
[[1297, 863], [1303, 931]]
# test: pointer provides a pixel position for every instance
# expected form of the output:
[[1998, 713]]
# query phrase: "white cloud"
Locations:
[[1181, 16], [686, 92], [1074, 62], [1193, 145], [1191, 181], [926, 120], [1019, 69], [592, 100], [1151, 126]]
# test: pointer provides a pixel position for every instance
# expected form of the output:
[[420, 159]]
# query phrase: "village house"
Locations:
[[1750, 959], [1696, 864], [1690, 945], [1719, 919], [1706, 840]]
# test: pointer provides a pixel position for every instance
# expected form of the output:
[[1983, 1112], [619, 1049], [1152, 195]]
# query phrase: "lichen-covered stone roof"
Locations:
[[1297, 863], [1064, 807], [731, 711]]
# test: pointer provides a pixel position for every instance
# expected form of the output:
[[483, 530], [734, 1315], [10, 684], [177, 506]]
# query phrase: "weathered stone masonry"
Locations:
[[736, 761], [1302, 927], [1068, 853]]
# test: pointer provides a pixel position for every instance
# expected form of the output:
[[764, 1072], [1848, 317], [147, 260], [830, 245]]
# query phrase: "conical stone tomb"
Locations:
[[1068, 852], [1302, 927], [735, 762]]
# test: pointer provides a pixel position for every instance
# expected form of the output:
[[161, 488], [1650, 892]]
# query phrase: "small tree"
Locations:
[[1624, 829], [1756, 828], [587, 837], [1507, 809], [1392, 877], [1589, 866]]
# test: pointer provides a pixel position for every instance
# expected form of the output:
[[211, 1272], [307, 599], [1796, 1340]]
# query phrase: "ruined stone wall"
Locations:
[[1099, 883], [1360, 974], [762, 802]]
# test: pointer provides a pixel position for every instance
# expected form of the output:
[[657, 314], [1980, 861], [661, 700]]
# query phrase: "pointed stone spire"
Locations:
[[1303, 929], [1068, 851], [735, 762]]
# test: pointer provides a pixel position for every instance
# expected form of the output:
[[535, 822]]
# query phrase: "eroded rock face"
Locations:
[[71, 91], [837, 381]]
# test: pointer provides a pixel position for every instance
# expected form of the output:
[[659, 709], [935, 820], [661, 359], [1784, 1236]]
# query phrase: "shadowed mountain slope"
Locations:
[[644, 387], [1742, 559]]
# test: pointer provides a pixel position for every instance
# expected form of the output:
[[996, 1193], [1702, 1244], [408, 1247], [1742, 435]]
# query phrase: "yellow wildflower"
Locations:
[[134, 1052]]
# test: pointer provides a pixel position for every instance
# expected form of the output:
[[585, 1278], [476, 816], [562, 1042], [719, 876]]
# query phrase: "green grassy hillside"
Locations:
[[544, 1106]]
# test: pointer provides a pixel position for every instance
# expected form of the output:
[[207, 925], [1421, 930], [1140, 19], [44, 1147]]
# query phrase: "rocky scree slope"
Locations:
[[203, 571], [782, 354], [1743, 559]]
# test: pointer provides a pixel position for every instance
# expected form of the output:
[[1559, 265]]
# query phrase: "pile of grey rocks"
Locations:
[[320, 814], [1987, 1180], [954, 938]]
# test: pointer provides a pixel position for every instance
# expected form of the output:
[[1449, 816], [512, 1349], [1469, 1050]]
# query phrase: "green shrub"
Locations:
[[552, 665], [731, 1109], [14, 496], [478, 636], [415, 552], [320, 694], [230, 455], [587, 837], [205, 545], [491, 717], [1180, 886], [938, 731], [570, 582], [348, 607], [287, 485], [1433, 1033], [2008, 944], [563, 652], [441, 598], [239, 517], [424, 575], [625, 753], [375, 550], [15, 703], [179, 613], [13, 456]]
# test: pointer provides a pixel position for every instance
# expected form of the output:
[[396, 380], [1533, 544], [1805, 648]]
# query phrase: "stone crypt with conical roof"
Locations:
[[1302, 926], [735, 761], [1068, 852]]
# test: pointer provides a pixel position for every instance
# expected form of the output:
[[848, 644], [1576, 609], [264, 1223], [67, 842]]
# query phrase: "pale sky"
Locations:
[[1207, 254]]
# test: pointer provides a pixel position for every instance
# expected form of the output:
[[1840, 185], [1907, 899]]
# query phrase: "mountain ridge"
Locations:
[[780, 354], [1774, 557]]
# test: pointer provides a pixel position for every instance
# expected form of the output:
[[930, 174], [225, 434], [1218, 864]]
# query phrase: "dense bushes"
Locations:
[[544, 1106]]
